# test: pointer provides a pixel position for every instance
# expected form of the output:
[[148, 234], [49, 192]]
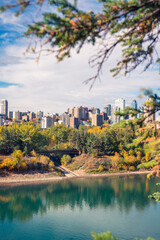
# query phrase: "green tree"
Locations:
[[133, 24]]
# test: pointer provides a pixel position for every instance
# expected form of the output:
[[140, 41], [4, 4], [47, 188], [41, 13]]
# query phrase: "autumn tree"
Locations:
[[132, 24]]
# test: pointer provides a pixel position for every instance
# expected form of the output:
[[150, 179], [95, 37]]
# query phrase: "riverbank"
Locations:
[[38, 178]]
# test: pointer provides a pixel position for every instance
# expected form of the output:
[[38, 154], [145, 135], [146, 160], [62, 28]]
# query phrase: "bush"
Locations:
[[11, 164], [66, 159], [147, 165], [51, 165], [100, 169], [8, 164]]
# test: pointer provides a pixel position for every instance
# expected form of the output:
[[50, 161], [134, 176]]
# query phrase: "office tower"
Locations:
[[10, 114], [119, 106], [1, 121], [4, 107], [39, 115], [96, 120], [48, 121], [74, 122], [120, 103], [80, 113], [71, 111], [134, 104], [17, 115], [104, 116], [107, 109], [65, 118], [31, 115]]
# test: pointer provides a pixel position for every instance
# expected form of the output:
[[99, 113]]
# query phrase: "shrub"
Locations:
[[8, 164], [147, 165], [100, 169], [147, 157], [51, 165], [66, 159], [24, 166], [132, 168], [18, 155]]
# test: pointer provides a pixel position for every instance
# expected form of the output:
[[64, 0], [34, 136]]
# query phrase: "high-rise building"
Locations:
[[10, 114], [120, 103], [65, 118], [119, 106], [1, 120], [71, 111], [39, 115], [17, 115], [74, 122], [31, 115], [48, 121], [4, 107], [104, 116], [134, 104], [107, 109], [96, 120], [80, 113]]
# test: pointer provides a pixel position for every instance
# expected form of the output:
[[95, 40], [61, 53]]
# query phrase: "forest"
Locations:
[[128, 145]]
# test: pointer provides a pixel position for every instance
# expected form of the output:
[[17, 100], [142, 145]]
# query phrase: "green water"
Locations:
[[72, 209]]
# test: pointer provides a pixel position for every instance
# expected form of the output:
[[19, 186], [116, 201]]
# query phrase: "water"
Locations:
[[72, 209]]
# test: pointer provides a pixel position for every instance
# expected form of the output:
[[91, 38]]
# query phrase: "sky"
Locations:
[[53, 87]]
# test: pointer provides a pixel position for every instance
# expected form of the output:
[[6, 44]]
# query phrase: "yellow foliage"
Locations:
[[24, 166], [33, 153], [51, 165], [96, 130], [139, 156], [147, 157], [54, 140], [8, 164], [100, 169], [17, 155]]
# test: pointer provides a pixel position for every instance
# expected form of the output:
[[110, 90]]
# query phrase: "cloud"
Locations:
[[53, 87]]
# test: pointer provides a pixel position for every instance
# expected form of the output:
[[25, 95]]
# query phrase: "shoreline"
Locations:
[[18, 179]]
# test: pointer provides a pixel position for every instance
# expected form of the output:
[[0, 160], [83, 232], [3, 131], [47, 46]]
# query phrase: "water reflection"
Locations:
[[22, 202]]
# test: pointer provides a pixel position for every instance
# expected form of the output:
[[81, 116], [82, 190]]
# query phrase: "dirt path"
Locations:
[[67, 172]]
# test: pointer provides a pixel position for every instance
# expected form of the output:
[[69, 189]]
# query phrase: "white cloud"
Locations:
[[53, 87]]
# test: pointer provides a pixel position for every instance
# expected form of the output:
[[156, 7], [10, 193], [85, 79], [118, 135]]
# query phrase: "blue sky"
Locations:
[[53, 87]]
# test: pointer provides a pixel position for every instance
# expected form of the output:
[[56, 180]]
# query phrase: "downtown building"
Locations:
[[4, 108], [48, 121], [96, 120], [119, 106]]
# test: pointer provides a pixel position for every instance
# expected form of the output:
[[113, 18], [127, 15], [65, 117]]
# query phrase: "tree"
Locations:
[[150, 107], [133, 24]]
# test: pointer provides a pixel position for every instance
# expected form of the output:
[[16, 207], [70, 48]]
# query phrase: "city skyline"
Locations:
[[102, 109]]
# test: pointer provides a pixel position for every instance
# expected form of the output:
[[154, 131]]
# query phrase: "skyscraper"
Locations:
[[134, 104], [107, 109], [119, 106], [120, 103], [4, 107]]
